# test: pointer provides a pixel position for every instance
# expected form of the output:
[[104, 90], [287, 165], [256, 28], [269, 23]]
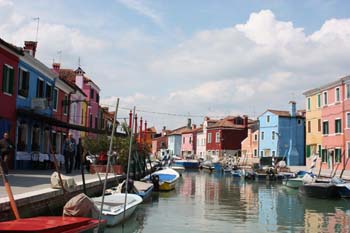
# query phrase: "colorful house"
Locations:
[[282, 134], [9, 58], [250, 145], [189, 142], [174, 141], [225, 136], [34, 102], [202, 138], [333, 107]]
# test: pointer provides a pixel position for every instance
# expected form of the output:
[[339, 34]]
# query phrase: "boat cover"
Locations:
[[81, 206]]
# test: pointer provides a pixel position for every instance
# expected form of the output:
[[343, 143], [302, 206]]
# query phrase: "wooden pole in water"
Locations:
[[342, 171], [319, 172], [108, 164], [9, 192]]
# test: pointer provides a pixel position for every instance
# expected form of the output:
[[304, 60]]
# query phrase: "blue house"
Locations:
[[282, 134], [35, 89], [174, 141]]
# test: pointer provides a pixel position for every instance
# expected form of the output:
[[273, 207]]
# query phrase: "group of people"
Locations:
[[73, 154]]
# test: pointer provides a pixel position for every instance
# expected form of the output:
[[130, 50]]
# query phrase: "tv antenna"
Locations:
[[37, 28]]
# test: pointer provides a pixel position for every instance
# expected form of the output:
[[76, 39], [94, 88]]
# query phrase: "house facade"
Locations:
[[282, 134], [225, 136], [250, 147], [9, 59], [189, 143], [175, 141], [333, 129], [34, 104]]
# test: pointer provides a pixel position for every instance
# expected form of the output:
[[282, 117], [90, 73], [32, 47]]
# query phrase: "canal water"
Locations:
[[204, 202]]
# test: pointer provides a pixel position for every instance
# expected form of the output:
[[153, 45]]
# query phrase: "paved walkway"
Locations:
[[23, 181]]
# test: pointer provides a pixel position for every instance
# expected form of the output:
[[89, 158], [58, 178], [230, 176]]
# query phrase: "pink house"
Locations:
[[189, 142], [250, 147]]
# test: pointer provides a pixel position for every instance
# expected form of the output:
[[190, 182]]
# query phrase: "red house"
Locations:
[[9, 58], [225, 136]]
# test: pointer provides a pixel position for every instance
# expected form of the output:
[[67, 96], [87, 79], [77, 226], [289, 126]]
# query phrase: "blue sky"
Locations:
[[190, 57]]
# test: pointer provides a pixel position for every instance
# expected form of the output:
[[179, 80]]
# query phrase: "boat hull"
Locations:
[[113, 220], [319, 190], [293, 183], [167, 186], [343, 190], [53, 224], [187, 164]]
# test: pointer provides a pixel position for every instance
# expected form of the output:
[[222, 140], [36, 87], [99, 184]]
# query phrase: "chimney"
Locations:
[[293, 109], [245, 121], [130, 119], [194, 126], [56, 67], [163, 131], [189, 123], [145, 131], [30, 47], [141, 124], [135, 123]]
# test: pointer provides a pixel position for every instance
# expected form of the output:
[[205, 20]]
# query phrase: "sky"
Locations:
[[175, 60]]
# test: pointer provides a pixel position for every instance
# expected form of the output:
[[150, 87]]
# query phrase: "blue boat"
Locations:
[[236, 173], [187, 163]]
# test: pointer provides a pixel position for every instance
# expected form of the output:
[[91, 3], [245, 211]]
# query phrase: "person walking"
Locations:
[[5, 149], [69, 151], [79, 155]]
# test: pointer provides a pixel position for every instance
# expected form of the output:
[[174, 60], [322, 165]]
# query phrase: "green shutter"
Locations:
[[11, 82], [3, 78], [308, 151]]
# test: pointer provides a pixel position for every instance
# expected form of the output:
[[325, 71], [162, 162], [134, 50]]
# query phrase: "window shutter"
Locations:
[[3, 77], [11, 81]]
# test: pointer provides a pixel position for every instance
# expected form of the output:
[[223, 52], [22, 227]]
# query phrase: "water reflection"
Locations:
[[204, 202]]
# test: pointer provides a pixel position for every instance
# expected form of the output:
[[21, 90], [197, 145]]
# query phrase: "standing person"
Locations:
[[5, 149], [79, 155], [69, 151]]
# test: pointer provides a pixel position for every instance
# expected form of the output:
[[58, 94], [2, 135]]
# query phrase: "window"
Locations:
[[255, 137], [338, 126], [273, 135], [7, 79], [183, 140], [319, 150], [325, 127], [348, 120], [90, 120], [262, 135], [209, 137], [319, 100], [337, 156], [48, 91], [190, 140], [337, 94], [309, 126], [267, 119], [299, 122], [348, 148], [91, 93], [262, 153], [40, 88], [309, 103], [82, 116], [97, 98], [55, 98], [348, 91], [308, 151], [273, 153], [96, 122], [255, 153], [217, 137], [65, 105], [23, 83], [325, 98], [324, 155], [319, 125]]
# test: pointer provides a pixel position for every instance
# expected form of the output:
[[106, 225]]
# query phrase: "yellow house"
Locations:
[[313, 125]]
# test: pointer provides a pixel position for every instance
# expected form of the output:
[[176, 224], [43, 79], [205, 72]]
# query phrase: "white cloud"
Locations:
[[143, 9]]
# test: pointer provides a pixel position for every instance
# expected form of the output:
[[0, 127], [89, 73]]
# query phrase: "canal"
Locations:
[[204, 202]]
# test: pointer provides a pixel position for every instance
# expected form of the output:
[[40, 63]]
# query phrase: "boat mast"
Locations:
[[108, 163], [129, 158]]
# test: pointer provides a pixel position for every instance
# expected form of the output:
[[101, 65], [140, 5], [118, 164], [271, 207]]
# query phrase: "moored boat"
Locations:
[[293, 182], [343, 188], [179, 169], [236, 173], [319, 190], [187, 163], [113, 207], [52, 224], [163, 180], [208, 165]]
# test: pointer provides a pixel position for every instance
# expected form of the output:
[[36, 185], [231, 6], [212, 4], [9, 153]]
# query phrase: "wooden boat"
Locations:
[[319, 190], [208, 165], [164, 180], [113, 207], [343, 188], [143, 189], [52, 224]]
